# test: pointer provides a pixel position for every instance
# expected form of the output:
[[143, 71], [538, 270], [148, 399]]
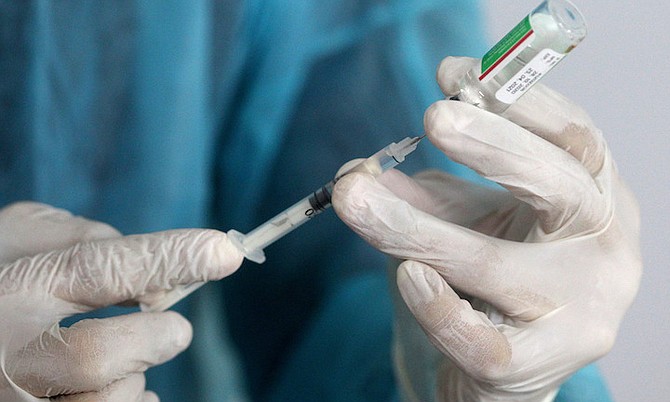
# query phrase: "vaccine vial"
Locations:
[[523, 56]]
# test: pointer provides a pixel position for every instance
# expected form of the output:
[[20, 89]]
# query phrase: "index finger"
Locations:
[[101, 273]]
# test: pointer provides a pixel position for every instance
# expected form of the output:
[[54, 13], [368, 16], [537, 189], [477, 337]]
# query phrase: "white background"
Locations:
[[620, 74]]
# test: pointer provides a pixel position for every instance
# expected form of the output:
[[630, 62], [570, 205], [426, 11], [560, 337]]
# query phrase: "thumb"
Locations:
[[463, 334], [29, 228], [93, 353]]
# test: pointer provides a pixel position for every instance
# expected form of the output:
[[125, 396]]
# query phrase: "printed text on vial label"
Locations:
[[544, 61]]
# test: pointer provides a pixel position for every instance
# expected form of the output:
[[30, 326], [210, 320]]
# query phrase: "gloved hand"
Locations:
[[517, 289], [53, 265]]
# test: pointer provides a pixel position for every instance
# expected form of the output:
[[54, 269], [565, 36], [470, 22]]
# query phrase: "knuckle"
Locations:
[[596, 152], [491, 365], [489, 372], [626, 284], [575, 212], [630, 287], [494, 362], [96, 371], [601, 341], [583, 141]]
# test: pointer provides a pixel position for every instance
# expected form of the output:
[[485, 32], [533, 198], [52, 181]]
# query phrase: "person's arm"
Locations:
[[54, 265], [517, 289]]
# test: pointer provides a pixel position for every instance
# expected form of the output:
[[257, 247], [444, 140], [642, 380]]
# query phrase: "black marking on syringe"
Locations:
[[319, 201]]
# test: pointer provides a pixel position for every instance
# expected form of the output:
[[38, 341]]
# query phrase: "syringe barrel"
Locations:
[[280, 225], [288, 220], [518, 61], [253, 243]]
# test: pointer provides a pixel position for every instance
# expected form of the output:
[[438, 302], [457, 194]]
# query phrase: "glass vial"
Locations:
[[518, 61]]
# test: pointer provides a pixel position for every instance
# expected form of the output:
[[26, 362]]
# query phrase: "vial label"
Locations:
[[506, 50], [544, 61]]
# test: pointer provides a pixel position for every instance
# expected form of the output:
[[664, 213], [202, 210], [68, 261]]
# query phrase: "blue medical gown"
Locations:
[[157, 115]]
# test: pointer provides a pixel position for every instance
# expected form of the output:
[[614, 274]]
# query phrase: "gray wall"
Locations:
[[620, 75]]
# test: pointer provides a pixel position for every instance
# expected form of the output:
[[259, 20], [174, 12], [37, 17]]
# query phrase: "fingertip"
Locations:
[[356, 196], [349, 189], [198, 255], [450, 72], [150, 396], [445, 122], [354, 189], [226, 255], [93, 230], [419, 284], [180, 328], [441, 117], [30, 209], [404, 275], [366, 206], [434, 118], [210, 253], [348, 166], [155, 338], [409, 269]]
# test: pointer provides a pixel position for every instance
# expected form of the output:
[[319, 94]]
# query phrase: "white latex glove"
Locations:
[[517, 289], [53, 265]]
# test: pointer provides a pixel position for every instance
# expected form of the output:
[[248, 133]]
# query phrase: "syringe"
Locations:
[[253, 243]]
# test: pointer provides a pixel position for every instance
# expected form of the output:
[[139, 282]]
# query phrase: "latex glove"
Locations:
[[517, 289], [53, 265]]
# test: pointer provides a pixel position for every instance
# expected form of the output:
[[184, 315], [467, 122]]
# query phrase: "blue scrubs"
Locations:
[[153, 115]]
